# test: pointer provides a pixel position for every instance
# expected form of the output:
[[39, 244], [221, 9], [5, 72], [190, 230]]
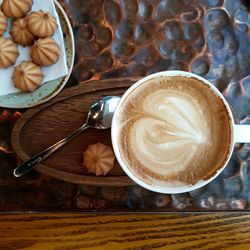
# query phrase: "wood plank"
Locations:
[[149, 231]]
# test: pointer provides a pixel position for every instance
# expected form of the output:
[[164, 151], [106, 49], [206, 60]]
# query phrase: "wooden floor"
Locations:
[[131, 232]]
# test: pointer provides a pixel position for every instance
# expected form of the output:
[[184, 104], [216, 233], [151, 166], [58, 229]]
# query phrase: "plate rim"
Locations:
[[65, 78]]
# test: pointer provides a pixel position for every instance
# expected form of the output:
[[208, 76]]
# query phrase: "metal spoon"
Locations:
[[99, 116]]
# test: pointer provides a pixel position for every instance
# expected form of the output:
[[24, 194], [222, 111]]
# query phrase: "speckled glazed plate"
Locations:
[[51, 88]]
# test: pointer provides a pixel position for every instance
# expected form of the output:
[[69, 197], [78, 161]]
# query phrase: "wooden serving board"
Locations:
[[42, 126]]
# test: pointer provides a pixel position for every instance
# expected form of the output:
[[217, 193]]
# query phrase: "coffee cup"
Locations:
[[174, 132]]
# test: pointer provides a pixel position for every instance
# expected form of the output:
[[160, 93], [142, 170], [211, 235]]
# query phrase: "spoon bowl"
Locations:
[[101, 112]]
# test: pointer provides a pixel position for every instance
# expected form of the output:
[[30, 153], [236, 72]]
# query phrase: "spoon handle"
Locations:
[[26, 166]]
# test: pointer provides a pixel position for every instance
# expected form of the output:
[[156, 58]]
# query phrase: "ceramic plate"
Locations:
[[51, 88]]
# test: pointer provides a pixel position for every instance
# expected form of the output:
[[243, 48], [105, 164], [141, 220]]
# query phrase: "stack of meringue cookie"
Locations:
[[34, 29]]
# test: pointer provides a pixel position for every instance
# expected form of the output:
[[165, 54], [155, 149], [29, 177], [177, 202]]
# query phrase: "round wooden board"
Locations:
[[42, 126]]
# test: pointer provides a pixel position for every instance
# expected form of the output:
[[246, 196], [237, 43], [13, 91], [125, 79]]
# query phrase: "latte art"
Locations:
[[169, 132]]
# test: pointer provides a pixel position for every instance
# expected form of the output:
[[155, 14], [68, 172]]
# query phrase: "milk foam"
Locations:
[[173, 131]]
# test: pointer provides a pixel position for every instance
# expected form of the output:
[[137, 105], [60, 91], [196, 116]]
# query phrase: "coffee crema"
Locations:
[[173, 131]]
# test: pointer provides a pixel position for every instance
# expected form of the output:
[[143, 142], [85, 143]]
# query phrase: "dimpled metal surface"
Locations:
[[126, 38]]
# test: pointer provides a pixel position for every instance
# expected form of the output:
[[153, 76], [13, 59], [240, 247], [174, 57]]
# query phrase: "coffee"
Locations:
[[173, 131]]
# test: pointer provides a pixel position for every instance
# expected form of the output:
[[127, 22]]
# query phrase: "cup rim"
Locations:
[[169, 189]]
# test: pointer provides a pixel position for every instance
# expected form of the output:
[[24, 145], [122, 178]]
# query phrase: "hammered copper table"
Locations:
[[133, 38]]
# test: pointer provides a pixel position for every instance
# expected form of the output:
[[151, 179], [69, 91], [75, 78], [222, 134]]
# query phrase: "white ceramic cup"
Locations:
[[239, 134]]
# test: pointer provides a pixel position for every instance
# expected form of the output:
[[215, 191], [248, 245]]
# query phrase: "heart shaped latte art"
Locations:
[[168, 131]]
